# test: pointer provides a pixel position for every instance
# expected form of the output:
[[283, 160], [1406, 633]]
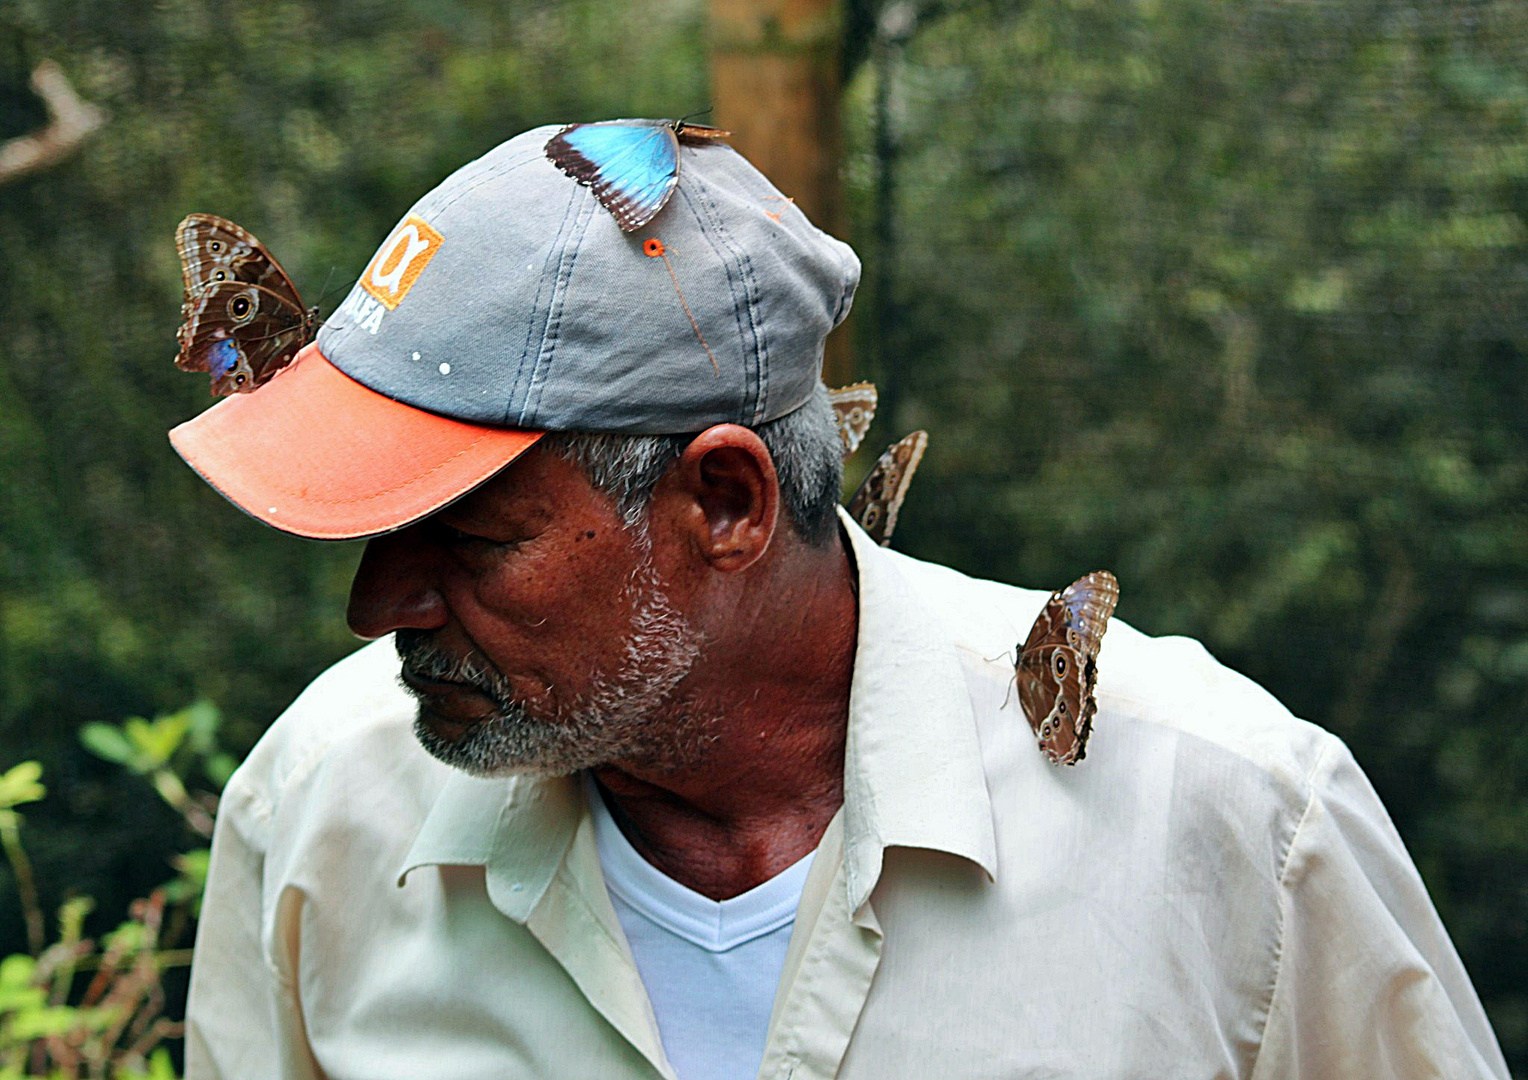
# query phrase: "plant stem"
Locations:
[[26, 884]]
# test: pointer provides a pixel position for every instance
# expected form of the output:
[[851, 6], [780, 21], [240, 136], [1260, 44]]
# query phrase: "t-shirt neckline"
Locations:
[[713, 925]]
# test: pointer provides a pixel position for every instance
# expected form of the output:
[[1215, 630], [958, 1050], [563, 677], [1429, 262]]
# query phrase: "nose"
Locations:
[[396, 587]]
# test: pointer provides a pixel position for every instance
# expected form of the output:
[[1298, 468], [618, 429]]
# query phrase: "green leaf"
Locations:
[[22, 999], [42, 1022], [128, 937], [203, 720], [193, 878], [154, 741], [71, 917], [20, 785], [158, 1065], [220, 767], [16, 970], [106, 741], [16, 989]]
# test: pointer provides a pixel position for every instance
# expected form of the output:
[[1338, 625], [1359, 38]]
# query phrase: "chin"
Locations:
[[497, 747]]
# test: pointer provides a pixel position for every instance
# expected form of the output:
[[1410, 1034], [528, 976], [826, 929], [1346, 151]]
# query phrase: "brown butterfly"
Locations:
[[1057, 666], [875, 502], [242, 319], [854, 406]]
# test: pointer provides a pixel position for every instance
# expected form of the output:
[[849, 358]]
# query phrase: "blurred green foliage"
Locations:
[[127, 586], [77, 1006], [1231, 299]]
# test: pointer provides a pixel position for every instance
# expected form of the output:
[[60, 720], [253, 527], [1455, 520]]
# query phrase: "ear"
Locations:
[[725, 497]]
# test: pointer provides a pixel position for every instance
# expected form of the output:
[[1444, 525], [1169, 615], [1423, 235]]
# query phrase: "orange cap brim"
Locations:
[[315, 453]]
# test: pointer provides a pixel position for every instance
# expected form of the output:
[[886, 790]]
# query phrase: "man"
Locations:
[[716, 787]]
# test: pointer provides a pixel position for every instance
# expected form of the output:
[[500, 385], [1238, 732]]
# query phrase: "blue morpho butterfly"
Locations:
[[242, 319], [632, 166]]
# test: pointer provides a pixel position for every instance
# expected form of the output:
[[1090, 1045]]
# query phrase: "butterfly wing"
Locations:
[[632, 166], [854, 407], [1057, 668], [213, 249], [877, 501], [241, 334]]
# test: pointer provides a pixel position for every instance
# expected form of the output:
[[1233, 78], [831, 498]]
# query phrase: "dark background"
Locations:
[[1231, 298]]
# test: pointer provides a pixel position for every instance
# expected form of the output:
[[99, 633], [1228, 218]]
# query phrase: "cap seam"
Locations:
[[553, 257], [748, 330], [541, 371], [846, 288], [755, 329], [493, 174]]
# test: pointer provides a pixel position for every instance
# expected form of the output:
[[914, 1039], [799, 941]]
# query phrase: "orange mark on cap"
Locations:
[[652, 247], [774, 215], [400, 260]]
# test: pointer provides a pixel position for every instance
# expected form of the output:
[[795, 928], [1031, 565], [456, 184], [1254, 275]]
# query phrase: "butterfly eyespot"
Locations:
[[240, 307], [1062, 706], [1060, 664], [240, 380], [221, 275], [215, 246]]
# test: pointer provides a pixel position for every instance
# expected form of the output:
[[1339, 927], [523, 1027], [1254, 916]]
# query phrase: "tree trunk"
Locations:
[[775, 85]]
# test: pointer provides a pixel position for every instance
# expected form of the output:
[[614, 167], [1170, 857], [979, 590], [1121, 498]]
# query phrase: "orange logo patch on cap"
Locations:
[[399, 262]]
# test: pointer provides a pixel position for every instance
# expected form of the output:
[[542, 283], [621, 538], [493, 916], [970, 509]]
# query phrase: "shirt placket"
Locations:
[[827, 979], [575, 923]]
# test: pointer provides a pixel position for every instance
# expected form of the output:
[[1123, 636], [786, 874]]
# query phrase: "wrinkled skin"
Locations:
[[700, 666]]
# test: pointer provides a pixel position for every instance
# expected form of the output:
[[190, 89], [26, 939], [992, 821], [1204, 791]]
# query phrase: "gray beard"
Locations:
[[621, 718]]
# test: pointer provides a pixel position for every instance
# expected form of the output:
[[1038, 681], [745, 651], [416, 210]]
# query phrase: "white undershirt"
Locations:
[[710, 968]]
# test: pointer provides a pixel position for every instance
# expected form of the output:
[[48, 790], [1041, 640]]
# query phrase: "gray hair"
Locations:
[[804, 445]]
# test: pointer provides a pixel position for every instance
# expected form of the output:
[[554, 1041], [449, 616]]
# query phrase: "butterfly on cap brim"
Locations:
[[1058, 665], [877, 501], [242, 319], [854, 408], [632, 166]]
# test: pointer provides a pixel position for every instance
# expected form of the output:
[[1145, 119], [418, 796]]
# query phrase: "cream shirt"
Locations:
[[1214, 892]]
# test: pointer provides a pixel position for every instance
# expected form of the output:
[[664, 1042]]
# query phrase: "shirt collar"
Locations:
[[518, 828], [913, 773]]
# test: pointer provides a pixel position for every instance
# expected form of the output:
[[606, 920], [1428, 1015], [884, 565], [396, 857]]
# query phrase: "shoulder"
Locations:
[[352, 724], [1156, 695]]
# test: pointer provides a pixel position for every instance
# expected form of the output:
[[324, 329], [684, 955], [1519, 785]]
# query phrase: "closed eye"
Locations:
[[456, 537]]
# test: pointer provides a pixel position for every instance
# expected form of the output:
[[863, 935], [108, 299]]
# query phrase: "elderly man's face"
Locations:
[[534, 628]]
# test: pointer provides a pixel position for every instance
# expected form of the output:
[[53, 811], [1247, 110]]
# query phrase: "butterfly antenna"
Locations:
[[327, 292], [686, 119]]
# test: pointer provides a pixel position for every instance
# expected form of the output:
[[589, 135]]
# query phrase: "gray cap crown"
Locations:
[[530, 308]]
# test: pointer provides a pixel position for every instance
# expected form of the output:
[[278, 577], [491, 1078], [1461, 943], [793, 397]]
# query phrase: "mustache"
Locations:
[[424, 659]]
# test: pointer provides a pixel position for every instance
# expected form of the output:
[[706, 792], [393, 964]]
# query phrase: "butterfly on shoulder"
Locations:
[[1058, 665], [242, 319], [632, 166], [877, 501], [853, 408]]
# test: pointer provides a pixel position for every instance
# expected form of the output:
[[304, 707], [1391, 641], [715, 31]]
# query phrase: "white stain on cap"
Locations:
[[445, 369], [416, 355]]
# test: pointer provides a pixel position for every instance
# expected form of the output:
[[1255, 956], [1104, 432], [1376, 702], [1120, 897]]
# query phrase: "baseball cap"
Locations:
[[507, 303]]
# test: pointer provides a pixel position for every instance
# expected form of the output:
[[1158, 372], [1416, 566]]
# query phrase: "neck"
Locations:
[[769, 779]]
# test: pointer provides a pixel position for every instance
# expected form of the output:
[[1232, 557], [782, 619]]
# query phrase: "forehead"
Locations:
[[539, 483]]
